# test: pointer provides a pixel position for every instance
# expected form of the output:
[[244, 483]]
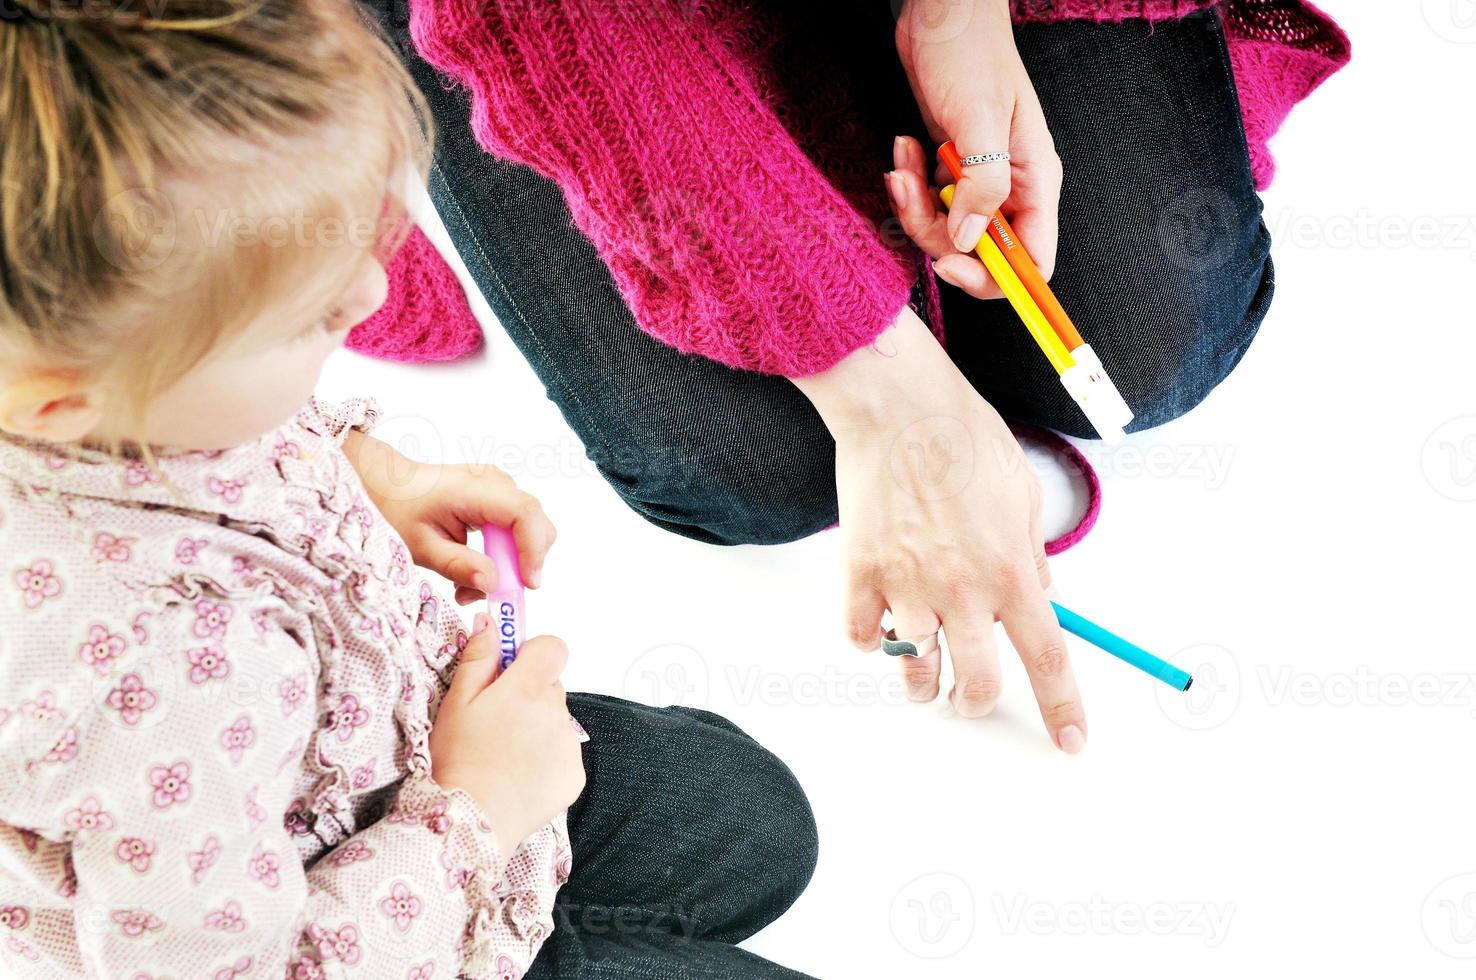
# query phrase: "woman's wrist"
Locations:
[[888, 383]]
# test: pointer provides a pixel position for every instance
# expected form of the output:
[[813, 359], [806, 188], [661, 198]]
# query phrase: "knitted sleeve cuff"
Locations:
[[720, 233]]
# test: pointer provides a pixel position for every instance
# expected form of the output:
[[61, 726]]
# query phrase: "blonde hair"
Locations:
[[144, 157]]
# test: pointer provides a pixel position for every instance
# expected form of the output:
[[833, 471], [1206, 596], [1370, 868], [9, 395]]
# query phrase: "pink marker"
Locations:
[[505, 603]]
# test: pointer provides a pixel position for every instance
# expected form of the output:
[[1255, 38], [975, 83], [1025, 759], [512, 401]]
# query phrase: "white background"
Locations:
[[1303, 542]]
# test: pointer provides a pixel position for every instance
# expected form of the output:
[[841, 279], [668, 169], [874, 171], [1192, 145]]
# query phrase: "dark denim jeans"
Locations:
[[689, 837], [1163, 264]]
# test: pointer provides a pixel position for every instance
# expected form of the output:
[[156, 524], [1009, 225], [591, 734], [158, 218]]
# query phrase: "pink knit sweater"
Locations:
[[763, 260]]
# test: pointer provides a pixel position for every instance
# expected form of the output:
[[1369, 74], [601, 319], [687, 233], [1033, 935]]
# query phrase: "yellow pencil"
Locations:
[[1030, 314]]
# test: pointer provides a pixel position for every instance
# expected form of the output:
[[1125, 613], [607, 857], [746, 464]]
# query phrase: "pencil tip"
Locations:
[[1188, 684]]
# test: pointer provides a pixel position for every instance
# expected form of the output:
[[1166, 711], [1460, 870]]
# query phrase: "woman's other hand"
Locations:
[[972, 88]]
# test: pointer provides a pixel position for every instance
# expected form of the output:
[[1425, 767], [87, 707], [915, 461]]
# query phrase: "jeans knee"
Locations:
[[1173, 370], [724, 498]]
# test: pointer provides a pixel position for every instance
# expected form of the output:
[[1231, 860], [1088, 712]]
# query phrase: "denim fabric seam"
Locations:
[[1216, 17], [512, 303]]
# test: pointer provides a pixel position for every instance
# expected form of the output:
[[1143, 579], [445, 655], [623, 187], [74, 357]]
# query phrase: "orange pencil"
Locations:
[[1093, 384]]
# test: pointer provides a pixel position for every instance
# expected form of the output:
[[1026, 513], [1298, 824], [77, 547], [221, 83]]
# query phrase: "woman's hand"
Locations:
[[433, 506], [940, 514], [972, 88], [509, 744]]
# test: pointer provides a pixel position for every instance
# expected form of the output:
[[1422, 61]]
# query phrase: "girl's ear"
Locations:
[[50, 407]]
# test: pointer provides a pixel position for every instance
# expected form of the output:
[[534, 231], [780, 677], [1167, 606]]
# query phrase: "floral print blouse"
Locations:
[[217, 679]]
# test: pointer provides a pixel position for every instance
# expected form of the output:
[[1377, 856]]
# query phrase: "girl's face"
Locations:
[[260, 379]]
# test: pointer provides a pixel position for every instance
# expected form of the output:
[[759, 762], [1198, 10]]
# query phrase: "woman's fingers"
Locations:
[[1037, 638], [984, 187], [967, 273], [915, 207], [1035, 192], [912, 201], [864, 608], [913, 621], [975, 656]]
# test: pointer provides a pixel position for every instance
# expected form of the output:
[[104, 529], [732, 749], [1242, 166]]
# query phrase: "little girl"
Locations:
[[239, 735]]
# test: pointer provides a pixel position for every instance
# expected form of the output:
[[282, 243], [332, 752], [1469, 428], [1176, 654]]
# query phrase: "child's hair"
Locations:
[[163, 161]]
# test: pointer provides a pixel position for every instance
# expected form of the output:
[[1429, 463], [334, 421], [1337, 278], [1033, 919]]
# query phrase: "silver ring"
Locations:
[[978, 158], [915, 647]]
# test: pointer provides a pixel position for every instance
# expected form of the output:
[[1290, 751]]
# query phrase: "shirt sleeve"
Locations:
[[177, 860]]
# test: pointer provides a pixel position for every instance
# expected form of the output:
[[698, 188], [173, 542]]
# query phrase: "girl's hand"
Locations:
[[509, 744], [940, 514], [972, 88], [433, 506]]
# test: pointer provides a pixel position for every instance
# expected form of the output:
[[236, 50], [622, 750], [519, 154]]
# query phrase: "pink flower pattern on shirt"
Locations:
[[337, 944], [204, 859], [191, 718], [131, 699], [112, 547], [171, 784], [135, 922], [38, 583], [211, 619], [349, 715], [136, 853], [89, 816], [401, 906], [238, 738], [208, 664], [227, 918], [101, 648]]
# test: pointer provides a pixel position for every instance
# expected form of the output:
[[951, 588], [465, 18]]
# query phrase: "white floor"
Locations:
[[1303, 542]]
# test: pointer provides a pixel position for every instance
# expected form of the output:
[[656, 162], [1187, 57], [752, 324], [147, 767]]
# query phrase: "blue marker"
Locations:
[[1122, 649]]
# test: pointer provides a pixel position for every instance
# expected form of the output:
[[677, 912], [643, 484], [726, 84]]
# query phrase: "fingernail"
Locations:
[[970, 232], [480, 623], [899, 152], [898, 189], [482, 582], [942, 273], [535, 578], [1072, 739]]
